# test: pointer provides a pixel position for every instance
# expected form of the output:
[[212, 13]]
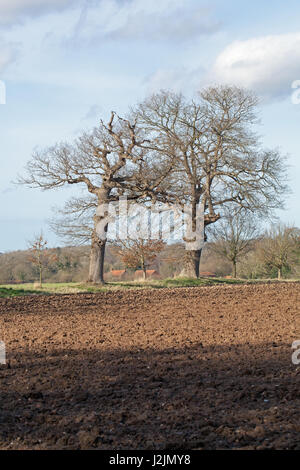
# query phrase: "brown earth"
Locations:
[[200, 368]]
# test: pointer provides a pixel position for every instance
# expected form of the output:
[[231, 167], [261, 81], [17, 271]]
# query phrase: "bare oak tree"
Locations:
[[217, 158], [110, 162]]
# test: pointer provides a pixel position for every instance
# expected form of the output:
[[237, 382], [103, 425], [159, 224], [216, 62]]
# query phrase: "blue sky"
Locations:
[[67, 63]]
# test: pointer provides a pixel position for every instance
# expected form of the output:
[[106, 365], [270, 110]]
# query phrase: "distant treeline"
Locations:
[[70, 264]]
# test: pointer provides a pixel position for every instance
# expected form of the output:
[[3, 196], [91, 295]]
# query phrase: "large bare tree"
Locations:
[[218, 159], [110, 162]]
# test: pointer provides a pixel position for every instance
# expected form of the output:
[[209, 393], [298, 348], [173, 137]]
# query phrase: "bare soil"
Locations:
[[165, 369]]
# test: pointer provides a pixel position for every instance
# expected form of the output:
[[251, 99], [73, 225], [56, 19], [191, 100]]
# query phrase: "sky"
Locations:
[[65, 64]]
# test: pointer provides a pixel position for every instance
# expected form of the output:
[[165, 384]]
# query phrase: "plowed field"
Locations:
[[197, 368]]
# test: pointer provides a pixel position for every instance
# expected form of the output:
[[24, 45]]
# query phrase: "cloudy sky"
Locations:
[[66, 63]]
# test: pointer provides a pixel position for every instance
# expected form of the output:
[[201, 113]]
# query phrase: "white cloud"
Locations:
[[268, 65], [8, 53], [174, 20], [12, 11], [177, 25]]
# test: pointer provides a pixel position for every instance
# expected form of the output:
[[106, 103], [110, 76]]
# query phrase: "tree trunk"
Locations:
[[144, 269], [279, 273], [191, 264], [234, 273], [96, 271], [193, 255]]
